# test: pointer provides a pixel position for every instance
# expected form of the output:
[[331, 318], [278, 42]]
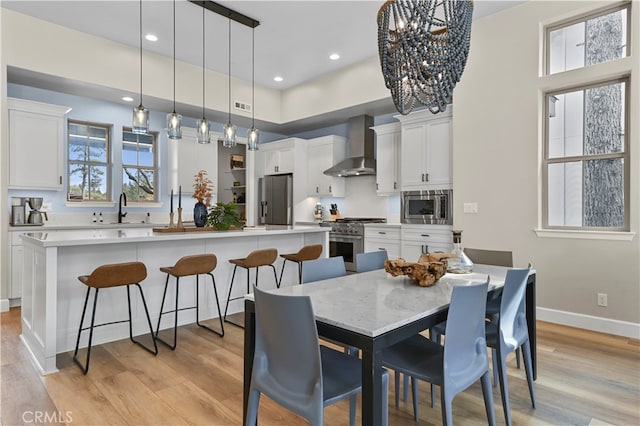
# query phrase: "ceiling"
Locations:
[[294, 38]]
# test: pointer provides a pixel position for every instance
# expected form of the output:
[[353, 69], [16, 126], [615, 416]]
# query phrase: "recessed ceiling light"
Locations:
[[151, 37], [278, 78], [127, 98], [334, 56]]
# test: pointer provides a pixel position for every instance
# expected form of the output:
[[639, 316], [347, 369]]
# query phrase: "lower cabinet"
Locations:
[[417, 240], [16, 255], [383, 238]]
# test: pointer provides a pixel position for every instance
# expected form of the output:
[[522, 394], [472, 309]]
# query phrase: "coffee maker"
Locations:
[[18, 216], [35, 215]]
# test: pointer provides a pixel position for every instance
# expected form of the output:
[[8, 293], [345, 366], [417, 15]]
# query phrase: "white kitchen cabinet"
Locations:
[[323, 153], [387, 158], [417, 240], [425, 151], [187, 157], [383, 238], [36, 144], [16, 255], [278, 157]]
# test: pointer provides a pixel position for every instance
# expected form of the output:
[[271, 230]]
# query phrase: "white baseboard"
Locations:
[[4, 305], [589, 322]]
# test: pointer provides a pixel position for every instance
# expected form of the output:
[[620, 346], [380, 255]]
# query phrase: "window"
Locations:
[[585, 166], [588, 41], [586, 158], [139, 167], [88, 152]]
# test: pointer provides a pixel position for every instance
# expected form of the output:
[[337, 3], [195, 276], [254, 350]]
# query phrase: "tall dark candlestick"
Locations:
[[180, 196], [171, 200]]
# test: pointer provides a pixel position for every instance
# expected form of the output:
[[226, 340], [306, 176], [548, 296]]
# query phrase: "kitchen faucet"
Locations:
[[120, 214]]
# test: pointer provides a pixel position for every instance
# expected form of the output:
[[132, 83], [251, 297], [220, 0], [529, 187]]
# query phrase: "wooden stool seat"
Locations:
[[192, 265], [115, 275], [197, 264], [310, 252], [255, 259], [106, 276]]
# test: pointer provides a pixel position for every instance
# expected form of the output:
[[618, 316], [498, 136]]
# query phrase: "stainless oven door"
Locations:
[[346, 246]]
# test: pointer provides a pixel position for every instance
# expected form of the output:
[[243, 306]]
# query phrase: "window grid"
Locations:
[[88, 179], [139, 174]]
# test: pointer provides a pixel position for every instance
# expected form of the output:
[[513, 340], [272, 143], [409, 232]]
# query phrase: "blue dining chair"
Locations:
[[293, 369], [509, 333], [456, 366], [371, 261], [323, 269]]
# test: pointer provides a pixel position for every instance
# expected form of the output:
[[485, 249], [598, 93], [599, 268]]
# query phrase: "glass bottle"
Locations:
[[460, 263]]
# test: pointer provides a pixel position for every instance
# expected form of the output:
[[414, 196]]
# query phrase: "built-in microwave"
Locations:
[[428, 207]]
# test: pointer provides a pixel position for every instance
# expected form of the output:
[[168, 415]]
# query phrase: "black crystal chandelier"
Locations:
[[423, 47]]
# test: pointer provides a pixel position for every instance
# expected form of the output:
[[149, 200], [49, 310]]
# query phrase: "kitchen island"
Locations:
[[53, 297]]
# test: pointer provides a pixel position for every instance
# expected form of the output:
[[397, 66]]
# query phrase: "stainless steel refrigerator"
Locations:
[[276, 199]]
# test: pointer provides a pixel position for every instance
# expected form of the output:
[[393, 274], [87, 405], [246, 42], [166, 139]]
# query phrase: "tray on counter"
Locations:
[[193, 229]]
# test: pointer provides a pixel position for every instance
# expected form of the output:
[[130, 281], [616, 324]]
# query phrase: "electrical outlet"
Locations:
[[470, 207], [602, 299], [46, 206]]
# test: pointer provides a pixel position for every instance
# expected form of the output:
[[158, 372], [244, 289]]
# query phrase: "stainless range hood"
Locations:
[[361, 161]]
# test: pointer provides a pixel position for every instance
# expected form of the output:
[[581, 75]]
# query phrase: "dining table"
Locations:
[[374, 310]]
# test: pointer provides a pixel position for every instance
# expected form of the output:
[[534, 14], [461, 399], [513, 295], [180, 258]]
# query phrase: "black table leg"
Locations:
[[372, 387], [531, 321], [249, 349]]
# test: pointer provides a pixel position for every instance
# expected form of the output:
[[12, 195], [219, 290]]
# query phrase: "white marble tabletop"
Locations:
[[373, 303], [133, 235]]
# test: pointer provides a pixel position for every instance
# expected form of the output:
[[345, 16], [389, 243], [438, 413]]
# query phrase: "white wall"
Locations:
[[497, 146]]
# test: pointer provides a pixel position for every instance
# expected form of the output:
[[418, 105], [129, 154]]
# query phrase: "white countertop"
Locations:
[[81, 226], [373, 303], [42, 238]]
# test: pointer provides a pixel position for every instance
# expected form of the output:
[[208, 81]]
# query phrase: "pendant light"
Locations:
[[174, 125], [140, 113], [202, 126], [253, 135], [229, 140]]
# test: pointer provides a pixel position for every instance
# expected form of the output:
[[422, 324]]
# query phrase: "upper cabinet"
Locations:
[[278, 157], [322, 153], [187, 157], [425, 151], [36, 144], [387, 158]]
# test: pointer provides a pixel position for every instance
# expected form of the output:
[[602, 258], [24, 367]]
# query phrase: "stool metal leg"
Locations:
[[146, 311], [213, 281], [226, 308], [299, 272], [85, 367], [175, 311], [248, 273], [275, 275], [279, 282]]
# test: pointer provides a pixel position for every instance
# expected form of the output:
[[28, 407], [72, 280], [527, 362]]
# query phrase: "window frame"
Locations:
[[155, 168], [583, 18], [108, 164], [625, 155]]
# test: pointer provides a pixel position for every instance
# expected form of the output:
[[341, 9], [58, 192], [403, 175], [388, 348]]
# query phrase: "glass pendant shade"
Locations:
[[253, 138], [229, 140], [140, 120], [174, 126], [202, 131]]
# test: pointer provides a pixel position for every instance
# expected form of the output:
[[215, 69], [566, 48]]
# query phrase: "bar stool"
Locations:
[[310, 252], [198, 264], [256, 259], [112, 275]]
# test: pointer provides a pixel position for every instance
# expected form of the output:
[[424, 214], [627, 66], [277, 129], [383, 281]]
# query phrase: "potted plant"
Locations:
[[223, 215], [202, 191]]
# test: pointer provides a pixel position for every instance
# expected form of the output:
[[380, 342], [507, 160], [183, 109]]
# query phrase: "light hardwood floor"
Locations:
[[584, 378]]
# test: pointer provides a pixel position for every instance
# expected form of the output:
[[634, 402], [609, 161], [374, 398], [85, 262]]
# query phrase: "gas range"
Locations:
[[351, 225]]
